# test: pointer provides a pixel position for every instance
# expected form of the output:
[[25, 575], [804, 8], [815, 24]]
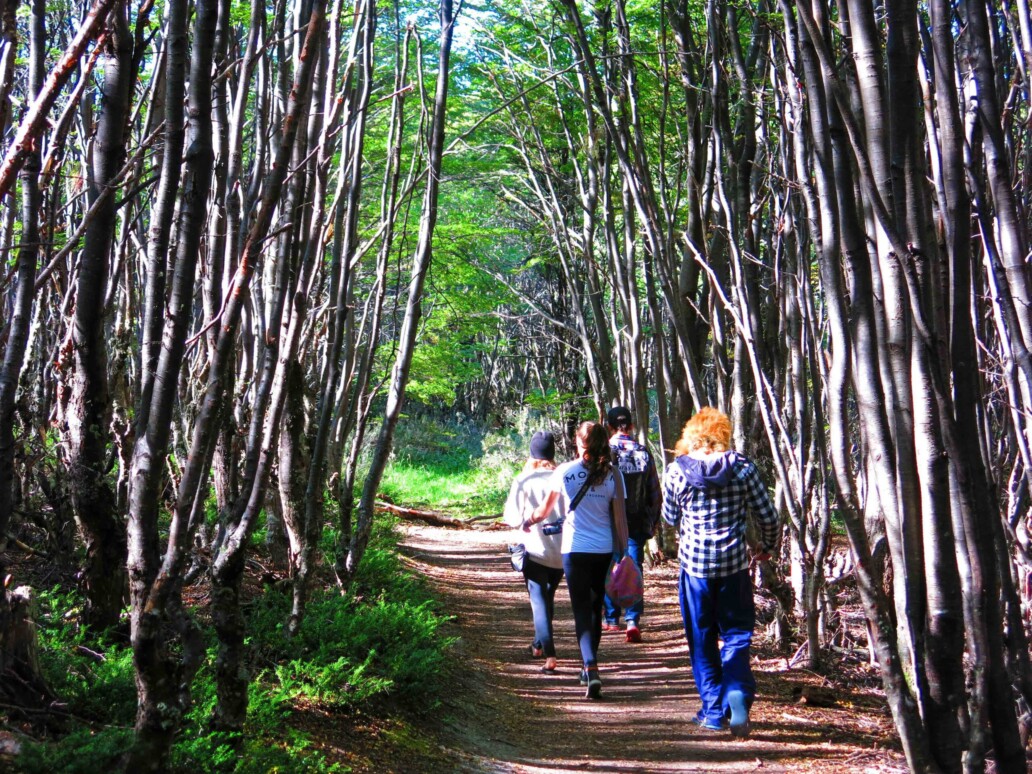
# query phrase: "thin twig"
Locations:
[[102, 197]]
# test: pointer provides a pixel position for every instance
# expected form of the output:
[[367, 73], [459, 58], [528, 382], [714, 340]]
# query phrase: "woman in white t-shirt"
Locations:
[[543, 563], [594, 527]]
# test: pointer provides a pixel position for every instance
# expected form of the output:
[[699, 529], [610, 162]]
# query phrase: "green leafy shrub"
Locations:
[[339, 682], [95, 680], [379, 576], [83, 751], [230, 754], [382, 639], [350, 650]]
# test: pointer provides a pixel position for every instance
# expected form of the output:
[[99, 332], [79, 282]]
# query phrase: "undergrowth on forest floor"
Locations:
[[378, 649], [380, 643]]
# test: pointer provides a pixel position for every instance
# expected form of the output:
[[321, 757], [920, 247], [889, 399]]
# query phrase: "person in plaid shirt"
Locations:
[[708, 491]]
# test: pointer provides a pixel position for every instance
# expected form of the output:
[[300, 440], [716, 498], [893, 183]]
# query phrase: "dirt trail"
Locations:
[[507, 716]]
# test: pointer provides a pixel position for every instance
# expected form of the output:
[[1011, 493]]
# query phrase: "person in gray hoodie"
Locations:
[[709, 492], [543, 565]]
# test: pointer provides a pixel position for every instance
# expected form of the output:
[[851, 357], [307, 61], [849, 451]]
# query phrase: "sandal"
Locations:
[[535, 652], [550, 665]]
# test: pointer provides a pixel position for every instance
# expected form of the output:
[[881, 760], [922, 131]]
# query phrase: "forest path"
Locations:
[[508, 716]]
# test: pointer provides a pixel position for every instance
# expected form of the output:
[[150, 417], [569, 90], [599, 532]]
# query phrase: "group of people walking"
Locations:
[[577, 518]]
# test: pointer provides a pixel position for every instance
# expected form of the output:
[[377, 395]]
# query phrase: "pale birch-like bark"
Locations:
[[413, 308], [27, 261]]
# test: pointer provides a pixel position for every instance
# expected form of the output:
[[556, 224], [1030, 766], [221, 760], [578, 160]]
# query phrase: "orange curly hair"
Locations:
[[708, 431]]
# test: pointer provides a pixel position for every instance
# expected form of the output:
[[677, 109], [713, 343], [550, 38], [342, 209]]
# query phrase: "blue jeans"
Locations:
[[723, 607], [636, 550], [586, 582], [541, 585]]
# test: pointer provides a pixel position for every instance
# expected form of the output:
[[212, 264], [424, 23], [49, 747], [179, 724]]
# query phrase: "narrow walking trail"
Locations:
[[505, 715]]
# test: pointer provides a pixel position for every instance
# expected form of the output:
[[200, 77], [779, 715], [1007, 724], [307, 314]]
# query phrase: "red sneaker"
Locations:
[[633, 634], [610, 627]]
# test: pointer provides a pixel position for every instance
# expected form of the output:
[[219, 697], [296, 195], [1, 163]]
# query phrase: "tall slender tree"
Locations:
[[84, 398]]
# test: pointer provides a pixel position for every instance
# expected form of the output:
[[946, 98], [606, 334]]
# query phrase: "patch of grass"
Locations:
[[454, 467], [472, 492]]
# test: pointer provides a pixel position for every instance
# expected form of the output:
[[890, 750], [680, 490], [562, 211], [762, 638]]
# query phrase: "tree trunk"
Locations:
[[227, 570], [9, 32], [21, 682], [325, 461], [28, 253], [89, 412], [348, 566], [35, 119], [155, 611]]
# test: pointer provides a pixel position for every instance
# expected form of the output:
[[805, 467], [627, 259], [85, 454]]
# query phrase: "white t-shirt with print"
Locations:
[[588, 528]]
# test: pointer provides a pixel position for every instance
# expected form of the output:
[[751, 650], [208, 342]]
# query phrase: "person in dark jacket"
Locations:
[[642, 500], [708, 493]]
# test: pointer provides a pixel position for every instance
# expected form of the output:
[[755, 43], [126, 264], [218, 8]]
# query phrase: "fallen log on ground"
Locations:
[[439, 518], [485, 517], [435, 518]]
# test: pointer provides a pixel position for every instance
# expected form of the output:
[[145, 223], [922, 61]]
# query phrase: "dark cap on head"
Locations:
[[542, 446], [619, 416]]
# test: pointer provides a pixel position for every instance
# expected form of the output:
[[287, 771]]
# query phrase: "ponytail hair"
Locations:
[[597, 457]]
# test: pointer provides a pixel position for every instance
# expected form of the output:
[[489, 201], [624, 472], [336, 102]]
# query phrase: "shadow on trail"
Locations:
[[514, 717]]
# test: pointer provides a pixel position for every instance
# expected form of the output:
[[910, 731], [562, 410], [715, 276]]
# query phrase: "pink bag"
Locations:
[[625, 586]]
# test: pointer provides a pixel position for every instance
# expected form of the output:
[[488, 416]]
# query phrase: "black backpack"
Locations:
[[633, 460]]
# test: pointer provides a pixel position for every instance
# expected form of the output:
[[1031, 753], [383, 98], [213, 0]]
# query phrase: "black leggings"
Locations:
[[586, 581]]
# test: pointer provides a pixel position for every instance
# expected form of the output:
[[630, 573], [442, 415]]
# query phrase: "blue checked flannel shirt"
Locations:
[[711, 521]]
